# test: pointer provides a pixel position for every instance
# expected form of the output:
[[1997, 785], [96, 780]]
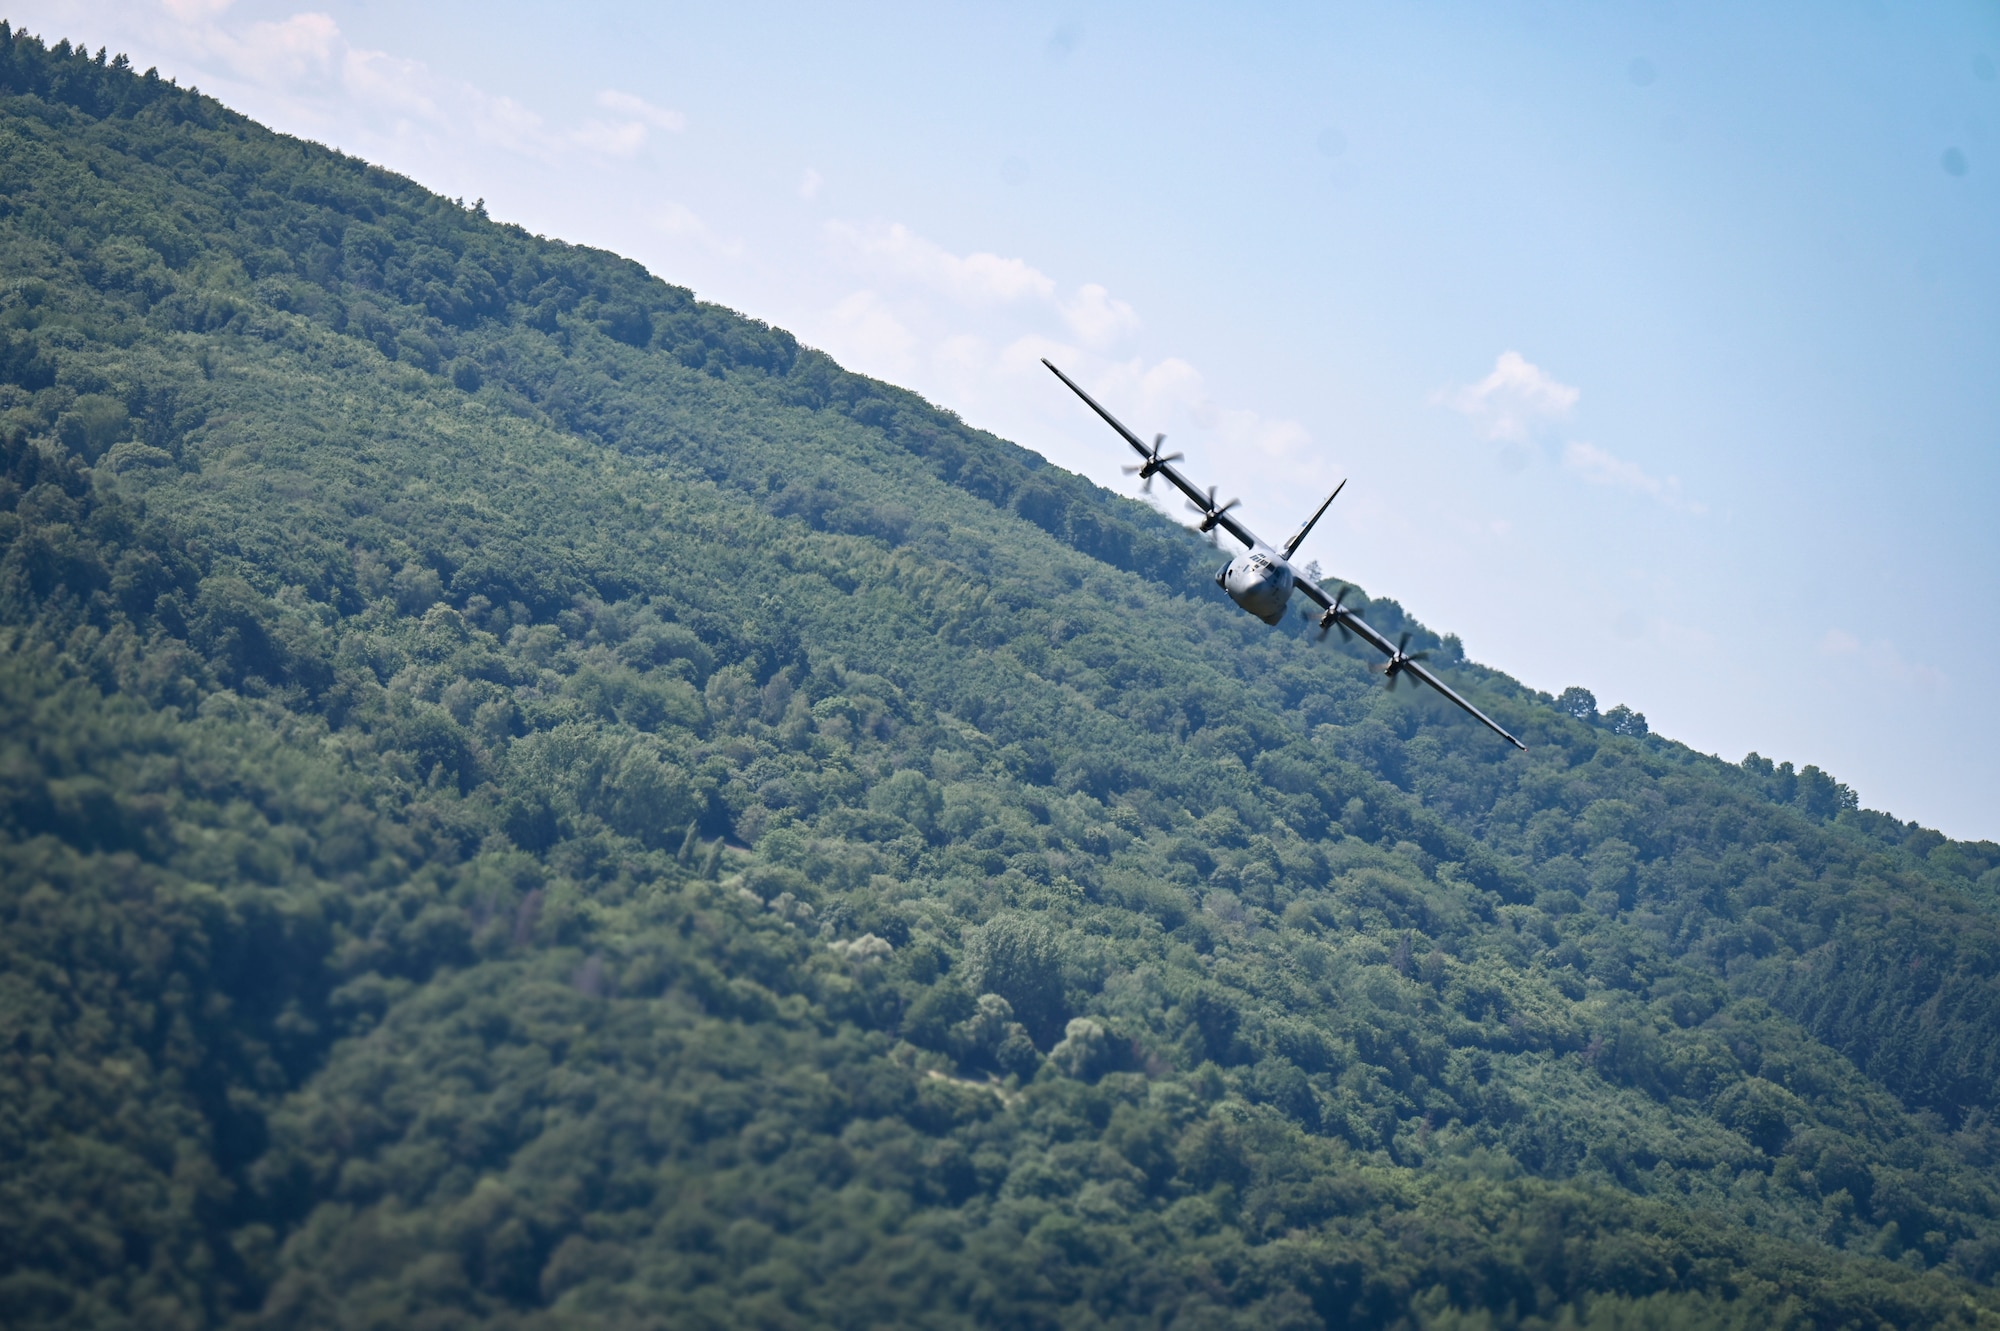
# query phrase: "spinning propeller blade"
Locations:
[[1210, 513], [1394, 670], [1152, 464], [1331, 618]]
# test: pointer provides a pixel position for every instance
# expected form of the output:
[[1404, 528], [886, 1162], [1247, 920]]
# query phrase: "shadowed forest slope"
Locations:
[[533, 800]]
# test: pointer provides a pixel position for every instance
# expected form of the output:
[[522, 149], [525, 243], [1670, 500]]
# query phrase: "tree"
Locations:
[[1578, 702], [1019, 958]]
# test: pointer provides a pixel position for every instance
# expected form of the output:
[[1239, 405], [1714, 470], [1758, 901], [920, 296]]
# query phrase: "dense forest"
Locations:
[[533, 800]]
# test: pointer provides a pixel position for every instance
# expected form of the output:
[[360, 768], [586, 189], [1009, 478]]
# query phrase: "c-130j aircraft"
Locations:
[[1262, 579]]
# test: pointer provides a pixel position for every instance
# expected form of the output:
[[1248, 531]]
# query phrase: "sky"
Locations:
[[1659, 342]]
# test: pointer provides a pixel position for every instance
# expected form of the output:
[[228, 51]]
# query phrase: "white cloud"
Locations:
[[870, 332], [300, 53], [613, 139], [386, 82], [505, 123], [973, 329], [966, 353], [303, 44], [973, 279], [1275, 438], [981, 280], [809, 184], [1171, 389], [638, 108], [191, 11], [624, 138], [1023, 356], [680, 222], [1098, 317], [307, 64], [1513, 400], [1602, 468]]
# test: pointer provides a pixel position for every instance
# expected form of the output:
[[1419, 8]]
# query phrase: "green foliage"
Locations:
[[1018, 958], [530, 798]]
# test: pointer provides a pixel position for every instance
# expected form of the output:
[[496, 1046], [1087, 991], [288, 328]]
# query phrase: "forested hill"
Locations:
[[530, 799]]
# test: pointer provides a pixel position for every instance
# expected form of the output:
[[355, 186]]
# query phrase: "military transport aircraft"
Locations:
[[1262, 579]]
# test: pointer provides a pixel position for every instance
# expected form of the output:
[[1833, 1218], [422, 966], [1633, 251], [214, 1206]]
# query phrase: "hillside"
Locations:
[[533, 800]]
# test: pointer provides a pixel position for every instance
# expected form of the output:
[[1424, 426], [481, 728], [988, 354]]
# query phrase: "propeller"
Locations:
[[1210, 514], [1394, 670], [1152, 464], [1331, 618]]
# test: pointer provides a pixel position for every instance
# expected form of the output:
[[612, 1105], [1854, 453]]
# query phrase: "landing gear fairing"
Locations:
[[1262, 579]]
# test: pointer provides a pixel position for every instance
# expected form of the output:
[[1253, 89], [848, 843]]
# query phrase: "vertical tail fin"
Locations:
[[1299, 536]]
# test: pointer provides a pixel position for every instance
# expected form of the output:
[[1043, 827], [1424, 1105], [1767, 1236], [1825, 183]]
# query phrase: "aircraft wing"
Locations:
[[1199, 498], [1356, 624]]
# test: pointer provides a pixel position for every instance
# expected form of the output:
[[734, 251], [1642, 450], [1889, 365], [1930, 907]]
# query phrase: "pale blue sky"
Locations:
[[1661, 341]]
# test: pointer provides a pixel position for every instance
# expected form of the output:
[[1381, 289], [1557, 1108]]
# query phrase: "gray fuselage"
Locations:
[[1260, 580]]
